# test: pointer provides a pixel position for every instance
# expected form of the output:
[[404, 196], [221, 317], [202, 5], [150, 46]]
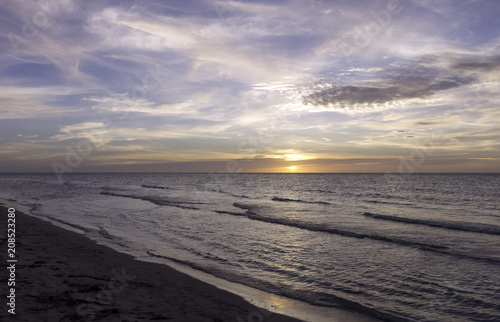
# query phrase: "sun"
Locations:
[[292, 168]]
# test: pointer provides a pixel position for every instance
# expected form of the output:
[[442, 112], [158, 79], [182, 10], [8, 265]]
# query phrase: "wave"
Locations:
[[114, 188], [229, 193], [90, 231], [104, 233], [175, 260], [156, 201], [299, 200], [325, 191], [229, 213], [78, 227], [317, 227], [154, 187], [239, 196], [453, 225], [388, 202]]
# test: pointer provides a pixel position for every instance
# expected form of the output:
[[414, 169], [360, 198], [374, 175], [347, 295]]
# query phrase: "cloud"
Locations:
[[393, 90], [418, 80], [444, 7], [477, 63]]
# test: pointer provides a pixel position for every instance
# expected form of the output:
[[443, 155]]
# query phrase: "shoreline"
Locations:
[[69, 277]]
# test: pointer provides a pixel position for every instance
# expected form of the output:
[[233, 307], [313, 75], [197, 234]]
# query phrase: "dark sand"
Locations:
[[63, 276]]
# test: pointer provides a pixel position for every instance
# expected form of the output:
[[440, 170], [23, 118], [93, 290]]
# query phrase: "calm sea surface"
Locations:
[[423, 247]]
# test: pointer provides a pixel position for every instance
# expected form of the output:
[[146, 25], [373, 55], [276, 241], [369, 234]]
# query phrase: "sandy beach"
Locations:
[[61, 275]]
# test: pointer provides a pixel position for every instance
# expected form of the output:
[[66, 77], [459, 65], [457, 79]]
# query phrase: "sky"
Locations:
[[250, 86]]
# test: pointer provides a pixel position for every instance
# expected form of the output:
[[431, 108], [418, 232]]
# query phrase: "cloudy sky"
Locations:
[[250, 86]]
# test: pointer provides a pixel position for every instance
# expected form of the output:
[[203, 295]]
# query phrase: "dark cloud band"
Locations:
[[416, 80]]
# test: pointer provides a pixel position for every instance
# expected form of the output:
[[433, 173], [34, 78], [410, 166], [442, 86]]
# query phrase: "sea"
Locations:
[[419, 247]]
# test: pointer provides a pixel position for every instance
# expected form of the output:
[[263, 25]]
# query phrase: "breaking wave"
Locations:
[[299, 200], [454, 225]]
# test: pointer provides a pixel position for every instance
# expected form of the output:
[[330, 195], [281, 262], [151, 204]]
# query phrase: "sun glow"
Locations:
[[294, 157], [293, 168]]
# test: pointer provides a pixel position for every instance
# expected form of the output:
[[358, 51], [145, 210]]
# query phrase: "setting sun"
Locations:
[[292, 168]]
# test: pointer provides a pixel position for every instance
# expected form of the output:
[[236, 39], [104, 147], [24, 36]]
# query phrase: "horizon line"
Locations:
[[227, 172]]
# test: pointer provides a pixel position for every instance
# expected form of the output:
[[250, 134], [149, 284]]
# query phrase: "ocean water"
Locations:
[[423, 247]]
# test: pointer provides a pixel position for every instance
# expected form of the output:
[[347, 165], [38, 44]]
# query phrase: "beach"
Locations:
[[327, 249], [61, 275]]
